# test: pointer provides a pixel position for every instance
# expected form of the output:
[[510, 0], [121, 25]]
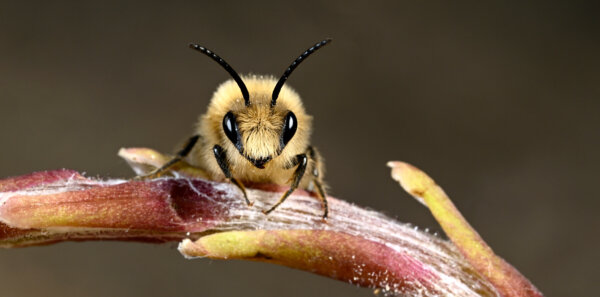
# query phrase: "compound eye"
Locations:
[[230, 128], [289, 128]]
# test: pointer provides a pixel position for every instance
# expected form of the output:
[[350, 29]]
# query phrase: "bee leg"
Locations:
[[322, 195], [222, 161], [302, 161], [317, 180], [189, 145]]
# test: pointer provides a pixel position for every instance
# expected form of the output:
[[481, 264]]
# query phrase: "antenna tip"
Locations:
[[324, 42]]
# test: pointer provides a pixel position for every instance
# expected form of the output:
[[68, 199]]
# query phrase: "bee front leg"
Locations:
[[302, 161], [314, 156], [222, 161], [189, 145]]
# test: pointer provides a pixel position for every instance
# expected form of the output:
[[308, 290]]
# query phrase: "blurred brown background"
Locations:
[[498, 102]]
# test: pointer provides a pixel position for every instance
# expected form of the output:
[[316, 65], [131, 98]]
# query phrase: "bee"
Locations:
[[255, 131]]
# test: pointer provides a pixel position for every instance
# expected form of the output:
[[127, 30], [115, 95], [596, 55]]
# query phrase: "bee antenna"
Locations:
[[293, 66], [230, 70]]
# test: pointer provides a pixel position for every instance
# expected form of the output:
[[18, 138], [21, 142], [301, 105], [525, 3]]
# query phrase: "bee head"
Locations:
[[270, 118], [260, 132]]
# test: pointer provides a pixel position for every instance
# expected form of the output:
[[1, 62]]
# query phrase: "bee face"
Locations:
[[260, 132], [255, 134]]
